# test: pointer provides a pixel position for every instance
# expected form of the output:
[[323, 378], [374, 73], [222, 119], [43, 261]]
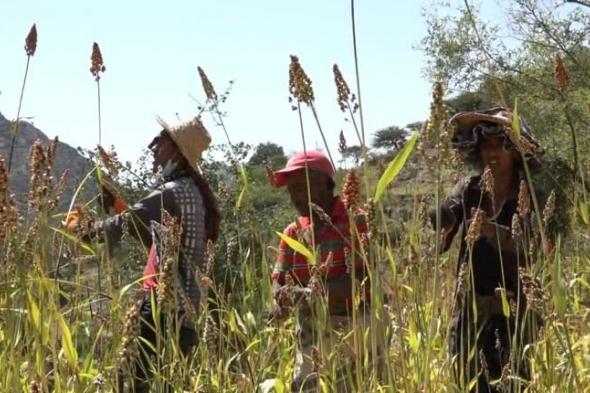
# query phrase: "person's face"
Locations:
[[163, 150], [320, 192], [493, 154]]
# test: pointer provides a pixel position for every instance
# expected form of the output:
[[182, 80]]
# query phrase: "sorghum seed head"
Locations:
[[478, 217], [549, 209], [524, 200], [516, 229], [351, 191], [31, 41], [96, 62], [463, 280], [128, 346], [207, 85], [342, 143], [108, 160], [534, 293], [342, 89], [299, 83], [487, 182]]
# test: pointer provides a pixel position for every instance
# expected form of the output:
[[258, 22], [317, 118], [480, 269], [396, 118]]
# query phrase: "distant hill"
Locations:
[[66, 157]]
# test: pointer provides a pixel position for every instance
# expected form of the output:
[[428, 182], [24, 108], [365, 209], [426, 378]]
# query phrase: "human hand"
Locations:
[[72, 220], [111, 201]]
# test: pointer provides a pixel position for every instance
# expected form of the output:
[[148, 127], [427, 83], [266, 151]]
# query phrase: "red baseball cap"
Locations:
[[315, 159]]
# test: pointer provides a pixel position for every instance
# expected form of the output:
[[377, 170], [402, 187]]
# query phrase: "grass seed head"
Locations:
[[96, 62], [560, 73], [232, 252], [487, 182], [351, 191], [168, 287], [516, 229], [535, 295], [478, 217], [9, 215], [524, 200], [549, 209], [211, 336], [342, 89], [299, 83], [31, 41], [128, 347], [37, 163], [109, 160], [210, 258], [207, 86], [58, 190], [342, 143]]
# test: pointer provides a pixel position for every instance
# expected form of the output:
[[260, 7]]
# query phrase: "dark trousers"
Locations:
[[498, 343], [148, 357]]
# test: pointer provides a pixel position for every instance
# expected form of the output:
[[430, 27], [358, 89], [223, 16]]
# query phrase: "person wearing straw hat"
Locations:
[[186, 197], [333, 232], [492, 321]]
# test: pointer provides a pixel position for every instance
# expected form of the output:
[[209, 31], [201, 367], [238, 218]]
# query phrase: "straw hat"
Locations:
[[191, 137]]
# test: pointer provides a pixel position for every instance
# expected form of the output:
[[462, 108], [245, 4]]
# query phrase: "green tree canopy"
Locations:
[[268, 154], [390, 138]]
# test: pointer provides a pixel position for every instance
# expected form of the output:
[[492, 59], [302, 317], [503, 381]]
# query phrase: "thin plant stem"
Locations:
[[356, 70], [317, 120], [306, 174], [99, 115], [20, 103]]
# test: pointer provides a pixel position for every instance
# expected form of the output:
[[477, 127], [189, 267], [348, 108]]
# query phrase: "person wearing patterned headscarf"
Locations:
[[492, 210]]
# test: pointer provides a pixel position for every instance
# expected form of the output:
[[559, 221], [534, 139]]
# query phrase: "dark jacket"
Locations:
[[182, 199]]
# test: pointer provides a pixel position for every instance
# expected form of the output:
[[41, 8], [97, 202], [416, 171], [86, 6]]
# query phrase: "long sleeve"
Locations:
[[138, 218], [451, 213]]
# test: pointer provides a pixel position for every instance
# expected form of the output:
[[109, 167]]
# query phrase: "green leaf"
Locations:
[[559, 294], [244, 177], [89, 361], [67, 342], [516, 120], [34, 313], [297, 246], [74, 239], [395, 166], [13, 127], [505, 304], [584, 212]]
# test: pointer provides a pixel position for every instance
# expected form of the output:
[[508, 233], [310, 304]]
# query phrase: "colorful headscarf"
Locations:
[[497, 121]]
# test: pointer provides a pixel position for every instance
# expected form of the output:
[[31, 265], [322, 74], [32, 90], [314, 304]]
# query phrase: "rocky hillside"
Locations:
[[67, 157]]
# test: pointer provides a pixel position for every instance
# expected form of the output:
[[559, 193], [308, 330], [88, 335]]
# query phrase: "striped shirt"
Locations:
[[333, 239]]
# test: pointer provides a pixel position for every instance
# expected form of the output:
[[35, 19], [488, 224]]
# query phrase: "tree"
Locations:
[[353, 152], [414, 126], [268, 154], [480, 66], [390, 138]]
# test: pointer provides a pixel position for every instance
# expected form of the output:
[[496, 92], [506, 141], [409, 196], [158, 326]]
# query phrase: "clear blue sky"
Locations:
[[152, 49]]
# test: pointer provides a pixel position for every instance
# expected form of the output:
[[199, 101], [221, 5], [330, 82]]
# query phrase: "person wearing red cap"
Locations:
[[336, 246]]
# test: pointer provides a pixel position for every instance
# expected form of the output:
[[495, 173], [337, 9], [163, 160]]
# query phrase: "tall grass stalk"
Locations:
[[30, 48]]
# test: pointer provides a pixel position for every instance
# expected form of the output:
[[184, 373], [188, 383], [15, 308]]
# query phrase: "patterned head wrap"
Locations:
[[497, 121]]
